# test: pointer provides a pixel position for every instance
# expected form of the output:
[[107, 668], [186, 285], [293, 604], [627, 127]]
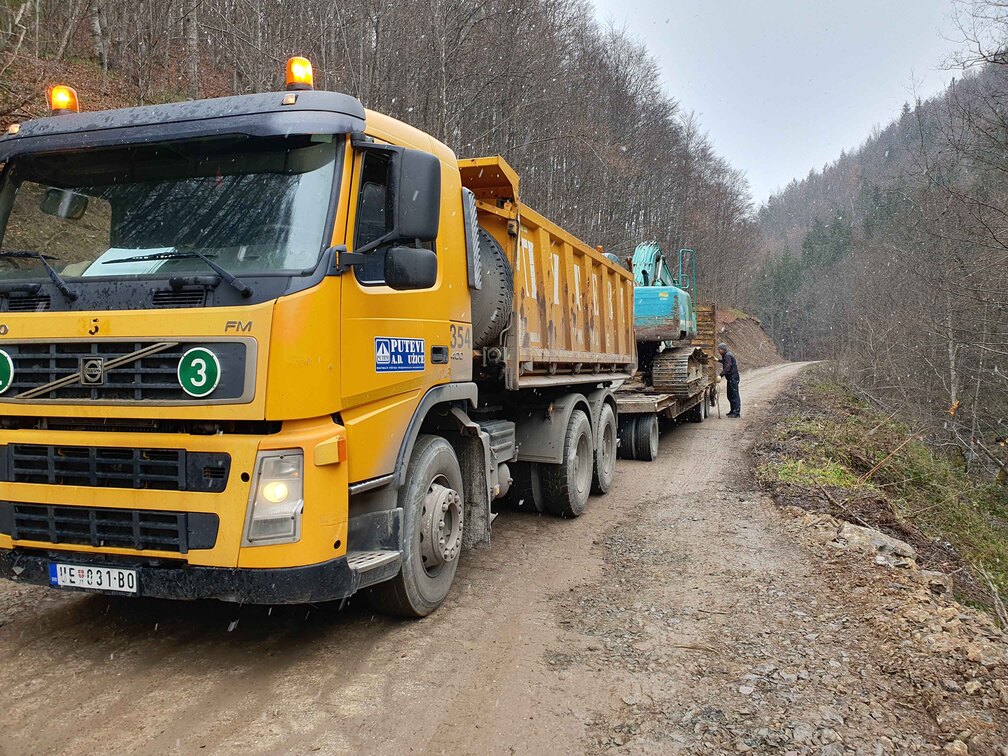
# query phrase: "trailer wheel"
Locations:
[[568, 484], [627, 433], [605, 451], [432, 504], [646, 438]]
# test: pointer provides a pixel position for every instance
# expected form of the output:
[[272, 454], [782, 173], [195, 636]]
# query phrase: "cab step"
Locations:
[[363, 561], [374, 566]]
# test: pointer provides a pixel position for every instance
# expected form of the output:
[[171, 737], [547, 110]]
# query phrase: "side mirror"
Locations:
[[417, 182], [414, 193], [64, 203], [410, 268]]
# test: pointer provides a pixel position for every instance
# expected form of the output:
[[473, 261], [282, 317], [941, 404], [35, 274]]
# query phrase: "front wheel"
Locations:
[[432, 504]]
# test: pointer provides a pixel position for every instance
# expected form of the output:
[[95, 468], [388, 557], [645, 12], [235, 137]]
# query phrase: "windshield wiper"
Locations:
[[236, 283], [57, 279]]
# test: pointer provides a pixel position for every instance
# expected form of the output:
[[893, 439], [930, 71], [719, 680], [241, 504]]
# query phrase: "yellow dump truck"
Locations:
[[277, 348]]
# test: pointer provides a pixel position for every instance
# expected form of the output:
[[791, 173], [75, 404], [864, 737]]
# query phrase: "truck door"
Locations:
[[395, 343]]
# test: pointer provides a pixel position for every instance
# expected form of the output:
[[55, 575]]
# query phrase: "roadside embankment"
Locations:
[[829, 453]]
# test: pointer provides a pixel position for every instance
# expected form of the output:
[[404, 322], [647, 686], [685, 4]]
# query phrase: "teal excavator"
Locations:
[[665, 321]]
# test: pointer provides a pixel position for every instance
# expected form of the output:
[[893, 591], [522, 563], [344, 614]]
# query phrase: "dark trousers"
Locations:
[[733, 396]]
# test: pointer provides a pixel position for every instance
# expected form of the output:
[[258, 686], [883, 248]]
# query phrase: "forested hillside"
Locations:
[[893, 260], [577, 108]]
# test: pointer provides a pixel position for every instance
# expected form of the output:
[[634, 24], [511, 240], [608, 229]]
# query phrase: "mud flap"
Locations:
[[375, 531], [474, 455], [472, 447]]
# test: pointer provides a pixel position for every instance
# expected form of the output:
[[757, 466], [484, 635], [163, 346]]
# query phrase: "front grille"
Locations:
[[152, 377], [179, 298], [30, 303], [142, 530], [113, 467]]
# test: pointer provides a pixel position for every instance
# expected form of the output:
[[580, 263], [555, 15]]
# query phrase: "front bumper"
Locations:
[[327, 581], [324, 519]]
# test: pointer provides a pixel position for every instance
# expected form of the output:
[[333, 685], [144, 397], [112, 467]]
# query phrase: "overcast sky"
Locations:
[[783, 86]]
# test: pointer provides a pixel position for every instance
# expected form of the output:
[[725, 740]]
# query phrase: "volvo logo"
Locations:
[[92, 371]]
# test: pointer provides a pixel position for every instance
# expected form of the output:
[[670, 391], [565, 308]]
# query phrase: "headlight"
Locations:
[[277, 498]]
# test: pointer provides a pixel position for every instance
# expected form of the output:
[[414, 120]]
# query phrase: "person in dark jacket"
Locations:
[[729, 371]]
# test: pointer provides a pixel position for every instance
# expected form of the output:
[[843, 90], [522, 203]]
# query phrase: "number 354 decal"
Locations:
[[461, 336], [461, 343]]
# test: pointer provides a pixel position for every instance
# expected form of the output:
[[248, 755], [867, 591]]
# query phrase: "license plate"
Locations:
[[92, 578]]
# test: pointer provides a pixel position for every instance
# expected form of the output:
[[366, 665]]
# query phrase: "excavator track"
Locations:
[[680, 371]]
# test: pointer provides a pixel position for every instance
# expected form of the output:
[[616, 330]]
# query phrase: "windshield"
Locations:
[[253, 206]]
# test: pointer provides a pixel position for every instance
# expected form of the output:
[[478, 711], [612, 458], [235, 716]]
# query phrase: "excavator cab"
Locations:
[[663, 306], [665, 320]]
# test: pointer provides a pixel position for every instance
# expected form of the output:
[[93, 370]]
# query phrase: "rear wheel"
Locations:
[[568, 484], [605, 451], [646, 438], [432, 532]]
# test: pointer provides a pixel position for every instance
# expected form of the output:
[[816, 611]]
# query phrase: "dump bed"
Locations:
[[572, 312]]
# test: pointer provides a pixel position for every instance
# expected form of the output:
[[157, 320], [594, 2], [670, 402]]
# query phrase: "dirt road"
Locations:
[[677, 613]]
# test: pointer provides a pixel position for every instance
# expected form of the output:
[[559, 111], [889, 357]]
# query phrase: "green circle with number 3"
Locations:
[[199, 372], [6, 371]]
